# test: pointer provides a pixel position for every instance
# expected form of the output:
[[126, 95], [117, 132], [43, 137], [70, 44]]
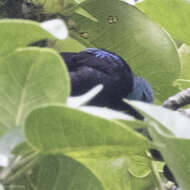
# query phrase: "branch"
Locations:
[[178, 100]]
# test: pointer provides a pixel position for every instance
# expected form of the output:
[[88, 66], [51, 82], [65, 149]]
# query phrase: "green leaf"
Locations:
[[22, 149], [72, 131], [184, 52], [73, 128], [182, 83], [119, 172], [184, 80], [174, 148], [67, 45], [123, 29], [56, 172], [104, 146], [178, 126], [30, 78], [82, 12], [173, 15], [175, 153], [17, 33], [139, 166]]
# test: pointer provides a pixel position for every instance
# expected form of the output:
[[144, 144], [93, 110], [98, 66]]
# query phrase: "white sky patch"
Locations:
[[132, 2], [8, 142], [4, 160], [56, 27]]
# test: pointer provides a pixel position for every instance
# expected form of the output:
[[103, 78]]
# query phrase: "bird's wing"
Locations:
[[85, 78], [99, 59], [99, 66], [76, 60]]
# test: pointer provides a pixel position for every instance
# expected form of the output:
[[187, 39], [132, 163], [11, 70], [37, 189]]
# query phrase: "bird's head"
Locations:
[[142, 91]]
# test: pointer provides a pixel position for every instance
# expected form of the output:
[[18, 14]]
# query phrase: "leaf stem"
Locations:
[[156, 175]]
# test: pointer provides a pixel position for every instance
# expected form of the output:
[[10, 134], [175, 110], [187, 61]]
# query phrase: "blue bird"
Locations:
[[92, 66]]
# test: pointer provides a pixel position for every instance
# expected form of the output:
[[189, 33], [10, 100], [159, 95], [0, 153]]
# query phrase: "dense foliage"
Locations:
[[49, 140]]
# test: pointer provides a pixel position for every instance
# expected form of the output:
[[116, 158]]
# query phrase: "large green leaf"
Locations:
[[177, 126], [30, 78], [55, 172], [17, 33], [173, 15], [102, 145], [175, 153], [174, 148], [73, 131], [124, 173], [123, 29]]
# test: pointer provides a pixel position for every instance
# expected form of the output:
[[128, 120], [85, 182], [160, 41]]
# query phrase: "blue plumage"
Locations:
[[142, 91], [103, 54], [92, 66]]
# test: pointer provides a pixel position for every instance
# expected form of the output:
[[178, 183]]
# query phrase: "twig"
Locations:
[[178, 100]]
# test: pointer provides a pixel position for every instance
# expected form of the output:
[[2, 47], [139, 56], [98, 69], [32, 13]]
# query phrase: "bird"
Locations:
[[93, 66]]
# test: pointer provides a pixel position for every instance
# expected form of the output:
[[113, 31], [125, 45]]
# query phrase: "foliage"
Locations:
[[177, 14], [45, 143]]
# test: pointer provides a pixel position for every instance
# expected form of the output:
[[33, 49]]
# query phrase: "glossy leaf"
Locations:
[[26, 83], [117, 173], [68, 45], [101, 145], [56, 172], [76, 130], [173, 147], [123, 29], [178, 126], [17, 33], [175, 154], [173, 15]]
